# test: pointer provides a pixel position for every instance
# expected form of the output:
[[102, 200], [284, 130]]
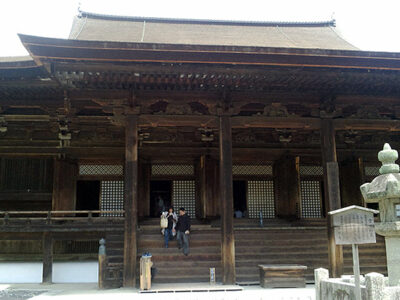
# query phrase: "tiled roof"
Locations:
[[311, 35]]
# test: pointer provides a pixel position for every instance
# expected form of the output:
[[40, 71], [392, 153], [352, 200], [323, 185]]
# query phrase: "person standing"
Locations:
[[172, 218], [183, 230]]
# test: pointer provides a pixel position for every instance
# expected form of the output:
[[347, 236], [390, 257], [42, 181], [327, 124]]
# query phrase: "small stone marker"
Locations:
[[354, 225]]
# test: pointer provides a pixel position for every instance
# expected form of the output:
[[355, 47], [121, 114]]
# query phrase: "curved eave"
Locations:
[[51, 49]]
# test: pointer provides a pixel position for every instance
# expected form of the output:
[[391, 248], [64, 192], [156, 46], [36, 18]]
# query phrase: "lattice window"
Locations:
[[311, 171], [372, 171], [184, 195], [264, 170], [261, 198], [112, 197], [172, 170], [101, 170], [310, 199]]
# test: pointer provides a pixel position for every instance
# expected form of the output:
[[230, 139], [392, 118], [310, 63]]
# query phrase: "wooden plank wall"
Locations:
[[26, 183]]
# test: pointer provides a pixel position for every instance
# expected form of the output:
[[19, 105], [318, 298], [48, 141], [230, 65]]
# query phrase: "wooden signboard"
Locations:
[[354, 225]]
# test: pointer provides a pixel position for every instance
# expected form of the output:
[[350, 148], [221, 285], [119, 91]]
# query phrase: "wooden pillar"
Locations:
[[287, 186], [144, 174], [332, 192], [131, 200], [64, 185], [226, 200], [209, 188], [47, 244], [351, 178]]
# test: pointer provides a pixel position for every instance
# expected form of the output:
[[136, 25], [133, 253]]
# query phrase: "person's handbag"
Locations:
[[163, 222]]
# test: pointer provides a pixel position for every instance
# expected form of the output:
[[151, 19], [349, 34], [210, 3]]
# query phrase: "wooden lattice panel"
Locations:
[[261, 198], [372, 171], [112, 197], [184, 195], [263, 170], [310, 199], [113, 170], [311, 171], [172, 170]]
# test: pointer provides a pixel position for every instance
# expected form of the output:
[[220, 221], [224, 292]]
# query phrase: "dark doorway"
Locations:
[[239, 198], [160, 196], [88, 195]]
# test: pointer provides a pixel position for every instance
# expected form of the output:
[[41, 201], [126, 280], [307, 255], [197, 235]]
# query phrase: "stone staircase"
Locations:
[[115, 258], [171, 265]]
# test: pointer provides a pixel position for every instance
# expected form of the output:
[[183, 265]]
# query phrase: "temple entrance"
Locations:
[[239, 198], [88, 195], [160, 196]]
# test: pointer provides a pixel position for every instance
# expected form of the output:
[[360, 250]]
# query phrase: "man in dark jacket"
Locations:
[[183, 230]]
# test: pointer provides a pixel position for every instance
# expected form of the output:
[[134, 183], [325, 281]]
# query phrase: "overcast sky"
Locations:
[[369, 25]]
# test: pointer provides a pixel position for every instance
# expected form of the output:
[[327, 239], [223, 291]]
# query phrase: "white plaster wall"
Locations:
[[63, 272], [21, 272]]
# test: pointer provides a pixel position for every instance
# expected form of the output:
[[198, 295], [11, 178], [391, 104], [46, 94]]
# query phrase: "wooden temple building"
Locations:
[[281, 121]]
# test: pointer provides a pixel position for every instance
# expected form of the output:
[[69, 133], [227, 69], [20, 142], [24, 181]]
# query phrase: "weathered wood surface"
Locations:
[[64, 185], [57, 221], [47, 258], [287, 186], [131, 201], [351, 178], [332, 192], [282, 276], [226, 200]]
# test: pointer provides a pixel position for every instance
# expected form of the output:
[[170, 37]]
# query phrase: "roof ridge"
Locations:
[[330, 23]]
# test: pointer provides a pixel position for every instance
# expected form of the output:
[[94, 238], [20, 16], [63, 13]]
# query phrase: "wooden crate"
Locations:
[[282, 276]]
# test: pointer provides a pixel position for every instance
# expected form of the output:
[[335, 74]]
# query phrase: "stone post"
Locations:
[[320, 275], [102, 263], [385, 190], [375, 284]]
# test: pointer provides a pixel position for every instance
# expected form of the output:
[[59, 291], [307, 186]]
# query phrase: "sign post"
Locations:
[[354, 225]]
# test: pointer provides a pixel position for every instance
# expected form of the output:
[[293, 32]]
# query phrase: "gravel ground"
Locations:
[[11, 294]]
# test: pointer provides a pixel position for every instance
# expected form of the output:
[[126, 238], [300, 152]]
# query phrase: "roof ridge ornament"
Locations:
[[388, 157]]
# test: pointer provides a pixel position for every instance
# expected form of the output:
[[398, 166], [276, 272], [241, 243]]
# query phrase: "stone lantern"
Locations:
[[385, 190]]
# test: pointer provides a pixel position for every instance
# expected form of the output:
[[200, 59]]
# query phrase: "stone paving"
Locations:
[[90, 292]]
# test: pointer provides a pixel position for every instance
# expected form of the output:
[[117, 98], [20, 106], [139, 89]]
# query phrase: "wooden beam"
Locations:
[[365, 124], [226, 198], [47, 275], [131, 200], [332, 192], [178, 120], [287, 186], [275, 122]]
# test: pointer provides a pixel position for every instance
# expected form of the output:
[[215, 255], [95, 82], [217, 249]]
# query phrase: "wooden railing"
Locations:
[[62, 215]]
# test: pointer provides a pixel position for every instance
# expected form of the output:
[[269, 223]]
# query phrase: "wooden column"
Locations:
[[209, 188], [287, 186], [332, 192], [47, 244], [64, 185], [144, 174], [226, 200], [351, 178], [131, 200]]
